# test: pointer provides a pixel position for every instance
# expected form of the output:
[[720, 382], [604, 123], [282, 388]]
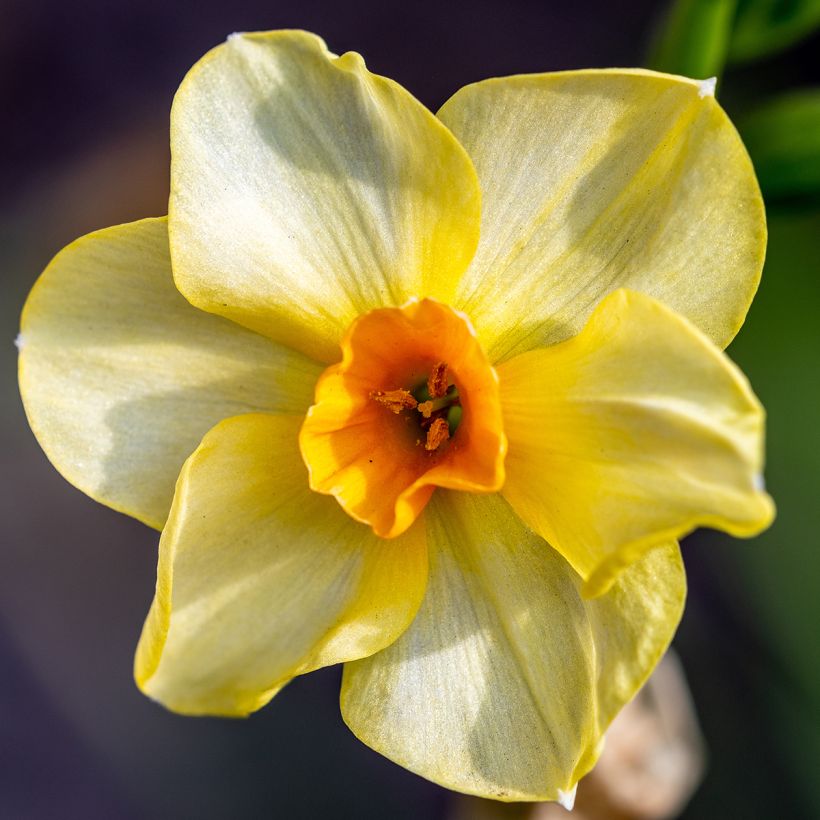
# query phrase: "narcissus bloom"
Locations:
[[433, 396]]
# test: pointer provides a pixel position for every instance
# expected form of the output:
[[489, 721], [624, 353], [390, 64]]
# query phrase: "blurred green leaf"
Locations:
[[763, 27], [694, 38], [783, 139]]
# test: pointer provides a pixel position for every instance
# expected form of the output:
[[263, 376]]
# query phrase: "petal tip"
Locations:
[[706, 88], [566, 799]]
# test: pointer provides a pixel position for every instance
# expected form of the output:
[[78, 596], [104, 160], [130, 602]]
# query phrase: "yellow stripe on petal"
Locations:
[[507, 678], [595, 180], [121, 376], [631, 434], [307, 191], [260, 579]]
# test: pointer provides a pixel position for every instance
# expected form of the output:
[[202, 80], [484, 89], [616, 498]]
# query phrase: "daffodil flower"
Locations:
[[433, 396]]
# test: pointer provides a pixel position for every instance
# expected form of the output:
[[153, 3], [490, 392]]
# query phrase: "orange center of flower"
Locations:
[[413, 405]]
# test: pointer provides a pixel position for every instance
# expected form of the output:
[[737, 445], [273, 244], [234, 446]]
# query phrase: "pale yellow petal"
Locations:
[[595, 180], [307, 191], [507, 678], [260, 579], [631, 434], [121, 377]]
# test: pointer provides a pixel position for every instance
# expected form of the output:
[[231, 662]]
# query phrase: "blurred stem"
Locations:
[[694, 38]]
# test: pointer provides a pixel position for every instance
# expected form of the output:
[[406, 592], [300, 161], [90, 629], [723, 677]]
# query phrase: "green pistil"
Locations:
[[454, 418]]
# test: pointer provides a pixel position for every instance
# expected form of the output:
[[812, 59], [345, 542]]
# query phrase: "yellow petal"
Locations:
[[595, 180], [307, 191], [121, 377], [631, 434], [260, 579], [507, 678]]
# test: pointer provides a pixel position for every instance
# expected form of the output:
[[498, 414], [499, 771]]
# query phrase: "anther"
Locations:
[[394, 400], [437, 381], [437, 434]]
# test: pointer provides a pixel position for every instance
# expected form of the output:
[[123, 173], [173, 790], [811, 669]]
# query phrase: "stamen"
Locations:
[[437, 401], [437, 381], [438, 433], [394, 400]]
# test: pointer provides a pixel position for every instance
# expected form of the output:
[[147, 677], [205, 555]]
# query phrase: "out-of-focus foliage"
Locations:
[[694, 38], [764, 27], [698, 37], [783, 138]]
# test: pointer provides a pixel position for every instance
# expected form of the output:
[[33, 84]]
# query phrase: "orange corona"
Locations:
[[413, 405]]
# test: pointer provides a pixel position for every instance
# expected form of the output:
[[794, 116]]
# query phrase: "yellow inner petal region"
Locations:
[[412, 406]]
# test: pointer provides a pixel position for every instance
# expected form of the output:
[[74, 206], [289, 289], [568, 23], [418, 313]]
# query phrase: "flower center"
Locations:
[[412, 405], [436, 400]]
